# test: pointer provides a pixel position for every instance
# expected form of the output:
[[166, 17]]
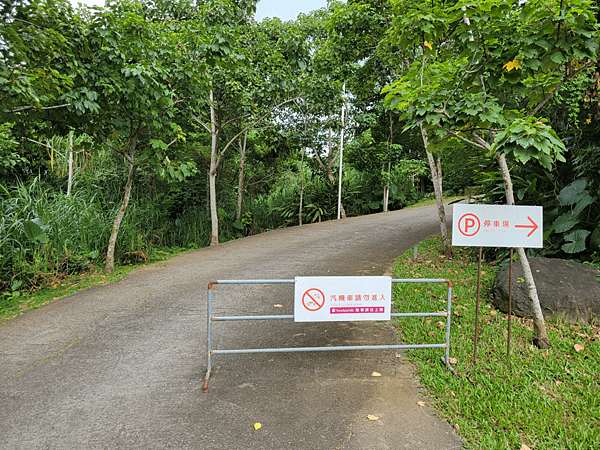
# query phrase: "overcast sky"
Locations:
[[284, 9]]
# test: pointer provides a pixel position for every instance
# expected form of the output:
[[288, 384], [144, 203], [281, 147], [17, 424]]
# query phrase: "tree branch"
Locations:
[[24, 108], [561, 84], [197, 119], [484, 146]]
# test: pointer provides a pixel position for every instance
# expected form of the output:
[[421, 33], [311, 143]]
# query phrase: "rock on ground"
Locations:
[[566, 289]]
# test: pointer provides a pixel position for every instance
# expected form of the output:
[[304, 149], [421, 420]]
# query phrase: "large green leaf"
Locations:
[[571, 193], [34, 232], [565, 222], [583, 201], [576, 241], [595, 239]]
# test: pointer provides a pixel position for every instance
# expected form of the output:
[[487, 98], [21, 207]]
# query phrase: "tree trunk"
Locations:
[[110, 254], [436, 176], [214, 218], [70, 182], [241, 178], [214, 237], [386, 186], [301, 190], [540, 335], [340, 211], [386, 190]]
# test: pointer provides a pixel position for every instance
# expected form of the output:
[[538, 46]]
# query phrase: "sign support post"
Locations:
[[477, 306], [510, 277]]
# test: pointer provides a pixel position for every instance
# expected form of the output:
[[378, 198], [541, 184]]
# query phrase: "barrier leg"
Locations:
[[448, 320], [208, 337]]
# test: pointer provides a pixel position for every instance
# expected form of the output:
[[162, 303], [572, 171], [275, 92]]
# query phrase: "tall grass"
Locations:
[[75, 230]]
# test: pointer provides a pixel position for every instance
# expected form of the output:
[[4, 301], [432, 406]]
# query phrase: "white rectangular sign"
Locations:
[[321, 299], [497, 226]]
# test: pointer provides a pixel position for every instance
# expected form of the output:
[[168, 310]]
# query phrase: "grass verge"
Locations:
[[541, 400], [12, 306], [430, 200]]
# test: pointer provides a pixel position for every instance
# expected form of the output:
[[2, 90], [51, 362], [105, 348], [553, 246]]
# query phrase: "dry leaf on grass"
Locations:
[[579, 347], [375, 374], [452, 361], [372, 417], [524, 447]]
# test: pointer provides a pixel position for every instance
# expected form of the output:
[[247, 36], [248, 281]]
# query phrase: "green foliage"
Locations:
[[9, 158], [578, 211], [505, 60], [528, 139]]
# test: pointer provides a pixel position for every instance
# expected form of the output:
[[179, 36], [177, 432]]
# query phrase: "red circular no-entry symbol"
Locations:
[[469, 225], [313, 299]]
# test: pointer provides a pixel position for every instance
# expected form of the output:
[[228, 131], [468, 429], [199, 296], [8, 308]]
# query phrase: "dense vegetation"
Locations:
[[149, 125]]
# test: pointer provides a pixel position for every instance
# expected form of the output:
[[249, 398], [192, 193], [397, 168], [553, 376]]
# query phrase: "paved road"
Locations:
[[122, 366]]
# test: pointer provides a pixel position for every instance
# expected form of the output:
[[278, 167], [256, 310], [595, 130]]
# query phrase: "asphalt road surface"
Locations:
[[122, 366]]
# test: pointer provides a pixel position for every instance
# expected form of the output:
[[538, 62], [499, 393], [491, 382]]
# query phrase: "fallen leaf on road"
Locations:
[[257, 426], [278, 306], [398, 355], [375, 374], [579, 347], [421, 403], [45, 303], [372, 417]]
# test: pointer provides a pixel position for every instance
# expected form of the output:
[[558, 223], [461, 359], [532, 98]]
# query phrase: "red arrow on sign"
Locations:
[[533, 225]]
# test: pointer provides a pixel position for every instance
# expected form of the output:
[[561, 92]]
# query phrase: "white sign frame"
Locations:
[[342, 299], [497, 226]]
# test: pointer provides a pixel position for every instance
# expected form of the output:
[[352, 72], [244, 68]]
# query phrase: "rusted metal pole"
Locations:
[[510, 277], [477, 306]]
